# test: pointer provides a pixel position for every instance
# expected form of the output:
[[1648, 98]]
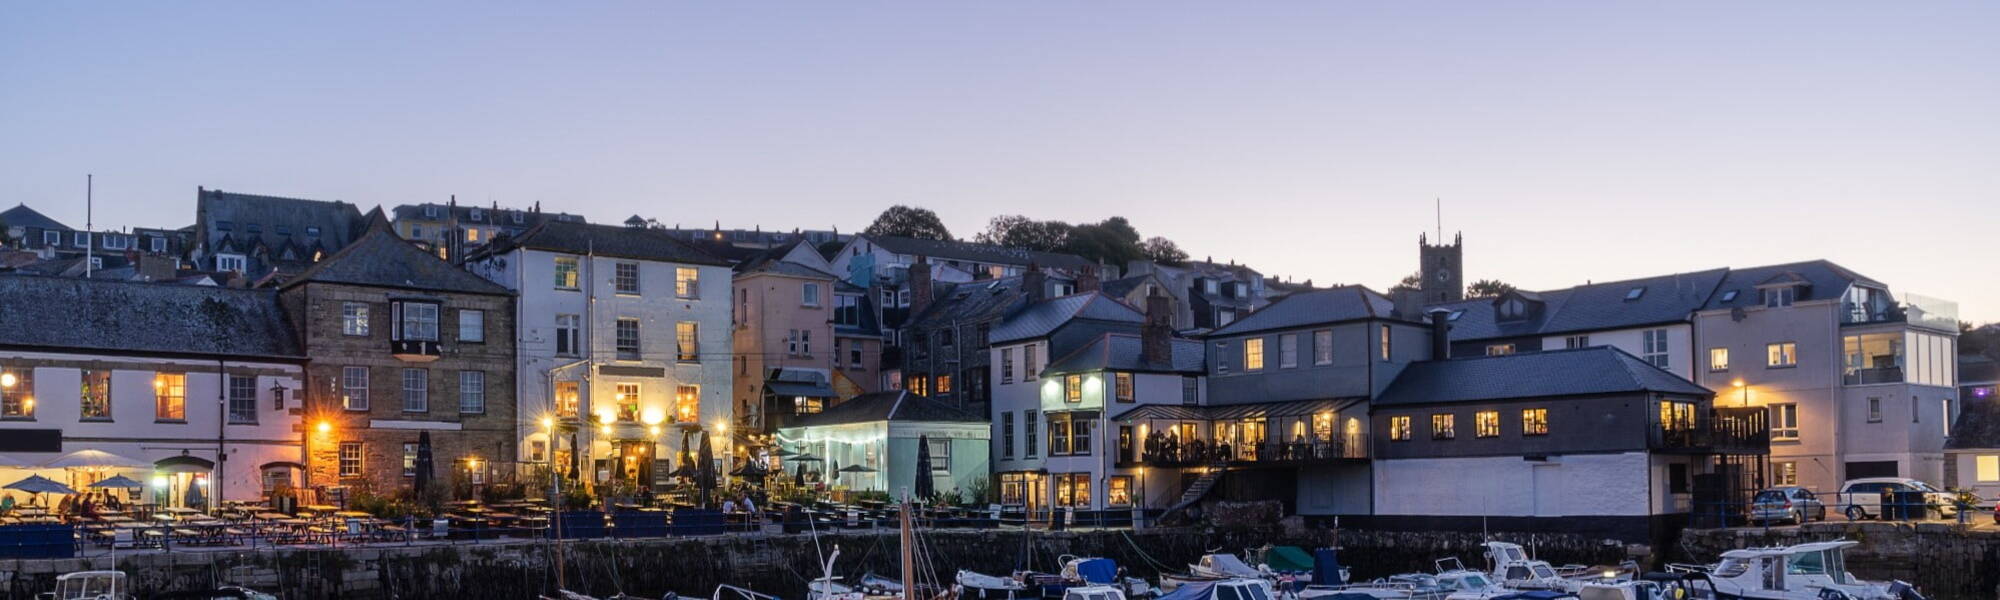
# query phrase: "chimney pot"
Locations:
[[1156, 337], [920, 285], [1035, 283], [1440, 334]]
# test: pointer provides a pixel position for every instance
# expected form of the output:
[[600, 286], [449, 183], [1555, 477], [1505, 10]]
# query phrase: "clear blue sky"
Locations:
[[1569, 141]]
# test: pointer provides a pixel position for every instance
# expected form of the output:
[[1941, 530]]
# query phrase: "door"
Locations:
[[1548, 490]]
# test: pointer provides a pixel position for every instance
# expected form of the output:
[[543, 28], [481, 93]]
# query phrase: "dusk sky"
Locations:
[[1569, 141]]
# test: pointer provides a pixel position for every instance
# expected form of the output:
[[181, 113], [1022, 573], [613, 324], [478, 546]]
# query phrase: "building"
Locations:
[[453, 230], [1441, 269], [801, 337], [27, 229], [203, 383], [1592, 440], [624, 347], [757, 238], [1652, 318], [403, 344], [1972, 453], [944, 351], [870, 442], [882, 265], [258, 236], [1205, 294]]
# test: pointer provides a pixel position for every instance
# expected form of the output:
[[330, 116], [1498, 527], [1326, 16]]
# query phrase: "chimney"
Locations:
[[1440, 334], [1156, 337], [1087, 281], [920, 285], [1035, 283]]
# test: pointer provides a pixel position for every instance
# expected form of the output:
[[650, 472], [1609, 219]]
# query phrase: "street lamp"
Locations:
[[1746, 390], [277, 396]]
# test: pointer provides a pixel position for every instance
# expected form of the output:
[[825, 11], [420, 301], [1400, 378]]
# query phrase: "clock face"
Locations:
[[1444, 275]]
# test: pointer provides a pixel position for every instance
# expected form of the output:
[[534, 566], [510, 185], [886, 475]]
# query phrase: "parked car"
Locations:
[[1791, 504], [1862, 498]]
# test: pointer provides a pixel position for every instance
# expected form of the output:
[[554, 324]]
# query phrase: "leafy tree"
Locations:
[[1113, 241], [1163, 251], [909, 221], [998, 227], [1488, 288], [1409, 283]]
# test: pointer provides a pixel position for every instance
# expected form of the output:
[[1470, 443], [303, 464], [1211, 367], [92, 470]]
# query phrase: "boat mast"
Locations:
[[909, 556]]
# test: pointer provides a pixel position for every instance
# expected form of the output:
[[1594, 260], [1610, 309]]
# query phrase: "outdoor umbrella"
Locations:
[[119, 481], [784, 452], [94, 458], [707, 478], [924, 485], [425, 464], [36, 484], [800, 480], [857, 469], [686, 471], [193, 497]]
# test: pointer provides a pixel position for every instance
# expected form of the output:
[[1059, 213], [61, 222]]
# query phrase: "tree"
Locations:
[[909, 221], [1488, 288], [998, 227], [1113, 241], [1409, 283], [1046, 236], [1163, 251]]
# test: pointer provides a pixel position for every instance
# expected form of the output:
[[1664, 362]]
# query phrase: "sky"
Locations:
[[1568, 141]]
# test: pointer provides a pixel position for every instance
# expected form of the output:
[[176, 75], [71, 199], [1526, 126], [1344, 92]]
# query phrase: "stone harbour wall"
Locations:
[[1944, 561]]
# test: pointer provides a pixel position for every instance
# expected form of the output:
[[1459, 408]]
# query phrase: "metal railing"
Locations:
[[1168, 453]]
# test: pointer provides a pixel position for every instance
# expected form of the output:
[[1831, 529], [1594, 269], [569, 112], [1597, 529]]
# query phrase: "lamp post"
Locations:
[[1745, 391]]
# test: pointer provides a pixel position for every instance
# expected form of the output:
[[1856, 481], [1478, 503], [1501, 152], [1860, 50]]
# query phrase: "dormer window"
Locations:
[[519, 218], [1776, 297], [430, 211], [1211, 286], [1635, 293], [1510, 309], [312, 231], [477, 214]]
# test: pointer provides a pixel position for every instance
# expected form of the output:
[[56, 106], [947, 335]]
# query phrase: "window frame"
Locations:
[[626, 341], [1288, 351], [478, 326], [100, 392], [348, 388], [687, 341], [1784, 419], [1124, 389], [169, 391], [426, 317], [1400, 428], [1774, 350], [687, 283], [1253, 354], [567, 273], [357, 459], [241, 399], [1718, 366], [354, 319], [416, 387], [471, 392], [1486, 423], [1444, 426], [1322, 347], [1534, 421], [625, 278]]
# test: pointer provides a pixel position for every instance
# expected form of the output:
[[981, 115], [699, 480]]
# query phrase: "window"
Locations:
[[1190, 390], [625, 402], [1785, 422], [854, 355], [1781, 354], [1072, 390], [1784, 472], [625, 278], [170, 396], [229, 262], [686, 342], [1576, 341], [1986, 467], [1874, 410], [1006, 365], [354, 388], [1635, 293], [1288, 351], [944, 383], [566, 272], [472, 326], [242, 400], [350, 459], [1123, 385], [1253, 354], [1028, 426], [416, 390], [94, 397], [52, 238], [1211, 286], [1677, 416], [114, 242], [1118, 490], [917, 384], [1444, 426], [471, 392], [1028, 362], [1879, 358], [1399, 429], [687, 404], [81, 239], [1534, 421], [17, 393], [807, 405], [847, 310], [409, 459], [1385, 342], [354, 318], [1677, 478], [1323, 347], [628, 338], [687, 283], [809, 294], [940, 455], [1069, 433], [1485, 423], [1653, 347], [1007, 434], [1718, 359], [1499, 349], [1916, 410], [1774, 298], [568, 333], [419, 321], [568, 397], [792, 342], [159, 244], [1072, 489]]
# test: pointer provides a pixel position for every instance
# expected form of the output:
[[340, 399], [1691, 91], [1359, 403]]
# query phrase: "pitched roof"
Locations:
[[1040, 318], [1344, 303], [970, 301], [1582, 371], [892, 405], [383, 259], [338, 222], [487, 215], [974, 251], [1978, 425], [605, 240], [130, 316], [1823, 278], [1125, 352], [773, 261], [22, 216]]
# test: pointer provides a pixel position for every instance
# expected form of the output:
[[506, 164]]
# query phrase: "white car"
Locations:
[[1862, 498]]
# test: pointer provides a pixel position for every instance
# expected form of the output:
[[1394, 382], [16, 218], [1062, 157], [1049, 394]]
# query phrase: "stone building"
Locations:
[[401, 343]]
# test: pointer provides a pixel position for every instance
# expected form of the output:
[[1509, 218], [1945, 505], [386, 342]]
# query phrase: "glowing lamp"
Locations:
[[722, 427], [8, 380], [1737, 383], [654, 430], [653, 416], [160, 481], [604, 429], [605, 417], [548, 423], [325, 426]]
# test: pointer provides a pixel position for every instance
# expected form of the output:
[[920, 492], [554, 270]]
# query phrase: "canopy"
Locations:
[[1097, 570], [40, 485], [805, 457], [9, 460], [183, 464], [857, 469], [1229, 565], [119, 481], [1288, 558], [94, 458]]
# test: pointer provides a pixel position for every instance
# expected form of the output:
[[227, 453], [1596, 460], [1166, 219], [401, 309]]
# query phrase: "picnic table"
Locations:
[[180, 510], [353, 514], [319, 508]]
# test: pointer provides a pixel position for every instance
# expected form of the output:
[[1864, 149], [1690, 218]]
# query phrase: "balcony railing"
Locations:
[[1725, 431], [1867, 376], [1169, 453]]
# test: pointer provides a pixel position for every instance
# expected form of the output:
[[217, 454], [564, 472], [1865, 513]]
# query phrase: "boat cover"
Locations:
[[1536, 595], [1289, 559], [1193, 590], [987, 582], [1097, 570], [1326, 569], [1229, 564]]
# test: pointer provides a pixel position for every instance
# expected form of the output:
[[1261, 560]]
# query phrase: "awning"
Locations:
[[1233, 412], [796, 388], [281, 464], [1167, 412], [184, 464]]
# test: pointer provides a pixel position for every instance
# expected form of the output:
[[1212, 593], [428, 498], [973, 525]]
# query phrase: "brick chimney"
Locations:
[[1156, 337], [1087, 280], [1440, 334], [1035, 283], [920, 285]]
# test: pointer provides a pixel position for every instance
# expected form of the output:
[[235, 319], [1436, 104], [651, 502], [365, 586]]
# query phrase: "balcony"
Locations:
[[1166, 453], [415, 350], [1725, 431]]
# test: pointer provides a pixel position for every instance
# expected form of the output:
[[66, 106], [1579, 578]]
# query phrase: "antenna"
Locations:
[[1440, 217], [89, 253]]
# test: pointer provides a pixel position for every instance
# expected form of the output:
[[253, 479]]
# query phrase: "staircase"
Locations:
[[1194, 492]]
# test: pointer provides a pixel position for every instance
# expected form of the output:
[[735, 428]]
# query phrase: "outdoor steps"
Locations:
[[1195, 491]]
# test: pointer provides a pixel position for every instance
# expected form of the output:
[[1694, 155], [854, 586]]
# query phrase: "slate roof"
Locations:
[[1602, 306], [1825, 280], [488, 215], [383, 259], [1041, 318], [1331, 305], [1582, 371], [605, 240], [1125, 352], [970, 302], [79, 314], [1123, 286], [1978, 425], [22, 216], [892, 405], [973, 251], [338, 222]]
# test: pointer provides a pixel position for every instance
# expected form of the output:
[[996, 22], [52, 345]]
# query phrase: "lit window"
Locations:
[[95, 395], [944, 383], [1486, 423], [1073, 388], [1444, 426], [1118, 490], [1399, 429], [1781, 354], [1987, 466], [687, 341], [1253, 354], [1784, 473], [1718, 359], [1124, 385], [687, 404], [627, 402], [354, 388], [1677, 416], [1785, 421], [350, 459], [1385, 342], [807, 405], [687, 282], [1534, 421], [568, 397], [409, 459], [1499, 349], [170, 397], [17, 397], [566, 272]]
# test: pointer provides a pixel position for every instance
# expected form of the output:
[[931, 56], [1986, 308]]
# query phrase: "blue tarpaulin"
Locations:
[[1193, 590], [1097, 570], [1326, 568], [1536, 595]]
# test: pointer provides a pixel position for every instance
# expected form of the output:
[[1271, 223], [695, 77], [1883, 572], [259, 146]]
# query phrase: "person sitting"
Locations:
[[749, 507], [6, 504], [729, 506]]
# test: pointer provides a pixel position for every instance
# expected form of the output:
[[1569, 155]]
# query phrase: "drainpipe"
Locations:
[[221, 431]]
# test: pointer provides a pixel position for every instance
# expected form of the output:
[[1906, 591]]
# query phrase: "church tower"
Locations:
[[1442, 270]]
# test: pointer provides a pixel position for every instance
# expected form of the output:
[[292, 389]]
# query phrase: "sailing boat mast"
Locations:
[[909, 551]]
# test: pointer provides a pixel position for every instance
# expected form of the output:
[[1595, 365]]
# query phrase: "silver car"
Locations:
[[1790, 504]]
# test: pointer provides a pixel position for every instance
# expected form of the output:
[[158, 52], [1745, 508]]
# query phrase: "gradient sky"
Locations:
[[1569, 141]]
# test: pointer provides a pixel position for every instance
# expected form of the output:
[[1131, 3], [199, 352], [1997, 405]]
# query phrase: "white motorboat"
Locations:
[[1813, 571], [980, 585], [1094, 592], [1412, 586], [90, 585], [1512, 568]]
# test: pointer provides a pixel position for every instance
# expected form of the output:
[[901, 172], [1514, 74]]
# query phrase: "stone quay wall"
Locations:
[[1945, 562]]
